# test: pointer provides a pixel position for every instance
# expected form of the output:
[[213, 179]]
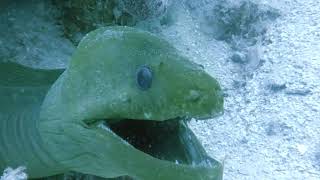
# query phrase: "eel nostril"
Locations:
[[194, 95]]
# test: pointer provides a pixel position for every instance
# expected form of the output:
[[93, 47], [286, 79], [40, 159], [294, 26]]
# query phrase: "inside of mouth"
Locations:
[[169, 140]]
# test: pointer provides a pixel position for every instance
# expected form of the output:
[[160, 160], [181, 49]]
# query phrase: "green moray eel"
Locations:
[[118, 109]]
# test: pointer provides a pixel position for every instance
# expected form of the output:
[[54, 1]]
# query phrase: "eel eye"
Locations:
[[144, 77]]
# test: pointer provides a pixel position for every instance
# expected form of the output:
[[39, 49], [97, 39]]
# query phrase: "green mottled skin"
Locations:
[[50, 120]]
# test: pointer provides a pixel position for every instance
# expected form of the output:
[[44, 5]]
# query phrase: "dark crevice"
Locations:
[[169, 140]]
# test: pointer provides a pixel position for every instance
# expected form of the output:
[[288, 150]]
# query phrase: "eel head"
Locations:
[[127, 94]]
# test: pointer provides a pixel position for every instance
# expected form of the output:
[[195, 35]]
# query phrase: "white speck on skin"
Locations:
[[147, 115]]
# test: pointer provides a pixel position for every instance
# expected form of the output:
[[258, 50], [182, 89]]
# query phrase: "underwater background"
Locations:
[[265, 54]]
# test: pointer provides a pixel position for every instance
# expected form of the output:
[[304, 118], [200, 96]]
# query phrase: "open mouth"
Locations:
[[169, 140]]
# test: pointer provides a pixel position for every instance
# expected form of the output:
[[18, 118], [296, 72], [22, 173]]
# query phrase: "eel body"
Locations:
[[118, 109]]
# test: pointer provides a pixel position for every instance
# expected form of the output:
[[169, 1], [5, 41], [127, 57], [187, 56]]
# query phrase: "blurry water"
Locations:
[[30, 35]]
